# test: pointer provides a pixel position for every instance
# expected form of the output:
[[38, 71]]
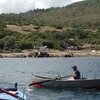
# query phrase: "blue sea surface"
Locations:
[[21, 69]]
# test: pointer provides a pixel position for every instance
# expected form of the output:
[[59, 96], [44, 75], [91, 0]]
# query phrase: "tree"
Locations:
[[9, 42]]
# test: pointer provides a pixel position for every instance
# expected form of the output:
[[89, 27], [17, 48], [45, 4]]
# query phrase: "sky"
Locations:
[[17, 6]]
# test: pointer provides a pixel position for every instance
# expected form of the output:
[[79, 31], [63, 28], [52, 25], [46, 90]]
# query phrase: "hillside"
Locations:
[[84, 14], [75, 26]]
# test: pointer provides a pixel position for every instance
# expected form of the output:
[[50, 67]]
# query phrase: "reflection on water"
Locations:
[[63, 94], [21, 69]]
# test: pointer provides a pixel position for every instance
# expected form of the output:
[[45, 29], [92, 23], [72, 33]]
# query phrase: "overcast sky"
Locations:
[[16, 6]]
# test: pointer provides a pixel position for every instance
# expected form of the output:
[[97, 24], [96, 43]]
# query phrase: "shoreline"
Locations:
[[51, 53], [77, 53]]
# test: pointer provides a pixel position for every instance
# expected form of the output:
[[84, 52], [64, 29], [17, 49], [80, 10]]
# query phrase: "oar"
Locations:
[[9, 93], [66, 76], [42, 82], [49, 80]]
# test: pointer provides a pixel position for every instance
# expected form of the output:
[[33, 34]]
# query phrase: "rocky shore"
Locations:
[[51, 53]]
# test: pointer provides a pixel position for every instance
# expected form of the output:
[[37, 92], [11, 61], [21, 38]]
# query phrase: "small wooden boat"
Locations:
[[12, 94], [65, 82]]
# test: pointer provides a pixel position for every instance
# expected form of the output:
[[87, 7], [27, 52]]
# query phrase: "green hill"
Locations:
[[57, 28], [84, 14]]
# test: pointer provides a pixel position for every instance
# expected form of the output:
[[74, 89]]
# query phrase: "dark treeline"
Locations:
[[11, 40]]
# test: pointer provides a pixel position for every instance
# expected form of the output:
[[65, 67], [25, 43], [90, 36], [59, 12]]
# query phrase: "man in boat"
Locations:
[[76, 74]]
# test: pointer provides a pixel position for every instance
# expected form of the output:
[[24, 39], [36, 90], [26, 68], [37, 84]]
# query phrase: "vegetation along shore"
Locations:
[[69, 31]]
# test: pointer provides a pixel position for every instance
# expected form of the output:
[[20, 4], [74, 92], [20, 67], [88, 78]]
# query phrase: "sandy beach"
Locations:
[[76, 53]]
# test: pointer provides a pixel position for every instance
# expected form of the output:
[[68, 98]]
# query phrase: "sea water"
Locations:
[[20, 70]]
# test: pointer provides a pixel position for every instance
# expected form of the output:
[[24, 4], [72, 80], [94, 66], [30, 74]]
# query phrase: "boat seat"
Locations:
[[83, 78], [11, 89]]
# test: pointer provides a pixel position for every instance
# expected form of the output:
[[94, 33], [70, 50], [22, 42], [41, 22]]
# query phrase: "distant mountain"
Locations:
[[83, 14]]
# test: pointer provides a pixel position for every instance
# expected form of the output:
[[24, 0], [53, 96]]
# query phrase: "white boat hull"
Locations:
[[66, 83]]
